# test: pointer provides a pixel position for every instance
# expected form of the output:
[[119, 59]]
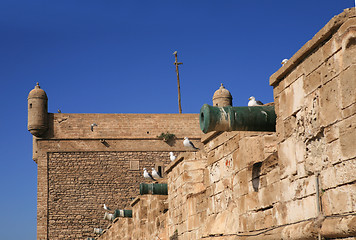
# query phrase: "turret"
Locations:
[[222, 97], [37, 111]]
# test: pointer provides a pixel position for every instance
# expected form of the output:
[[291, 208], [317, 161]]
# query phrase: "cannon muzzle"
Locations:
[[154, 188], [256, 118], [123, 213]]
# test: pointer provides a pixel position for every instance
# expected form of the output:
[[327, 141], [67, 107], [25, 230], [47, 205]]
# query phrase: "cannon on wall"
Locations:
[[228, 118]]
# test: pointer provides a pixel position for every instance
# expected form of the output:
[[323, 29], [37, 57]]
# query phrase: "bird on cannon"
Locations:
[[254, 102]]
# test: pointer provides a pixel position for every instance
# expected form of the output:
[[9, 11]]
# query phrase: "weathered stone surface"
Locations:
[[330, 106]]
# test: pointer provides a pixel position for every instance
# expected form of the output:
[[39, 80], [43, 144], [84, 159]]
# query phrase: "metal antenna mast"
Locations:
[[177, 71]]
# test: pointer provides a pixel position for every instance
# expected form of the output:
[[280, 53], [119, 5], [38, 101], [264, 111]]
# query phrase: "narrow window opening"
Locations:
[[160, 170], [256, 173], [30, 105]]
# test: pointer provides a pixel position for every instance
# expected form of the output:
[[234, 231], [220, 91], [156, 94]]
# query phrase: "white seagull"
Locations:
[[171, 156], [189, 144], [106, 207], [155, 174], [92, 126], [284, 61], [147, 175], [253, 102]]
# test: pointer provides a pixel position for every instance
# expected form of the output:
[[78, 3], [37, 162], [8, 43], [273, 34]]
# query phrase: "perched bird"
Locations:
[[59, 110], [92, 126], [155, 174], [284, 61], [253, 102], [175, 52], [106, 207], [189, 144], [171, 156], [147, 175]]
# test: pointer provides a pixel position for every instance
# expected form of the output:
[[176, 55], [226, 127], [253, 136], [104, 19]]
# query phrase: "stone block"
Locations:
[[278, 88], [333, 152], [279, 130], [214, 172], [347, 144], [301, 209], [217, 187], [253, 149], [289, 126], [313, 61], [347, 125], [349, 111], [270, 140], [312, 81], [193, 222], [328, 178], [287, 157], [193, 165], [348, 48], [294, 75], [232, 222], [331, 68], [220, 222], [269, 195], [273, 176], [226, 166], [348, 86], [219, 154], [284, 104], [337, 200], [240, 183], [231, 145], [292, 98], [252, 201], [339, 174], [330, 109], [279, 213], [331, 133], [264, 220], [193, 176], [236, 163], [330, 48]]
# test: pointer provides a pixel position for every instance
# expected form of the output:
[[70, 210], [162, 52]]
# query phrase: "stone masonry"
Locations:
[[80, 169], [296, 183]]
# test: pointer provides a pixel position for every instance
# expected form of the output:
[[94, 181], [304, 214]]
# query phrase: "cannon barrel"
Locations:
[[154, 188], [123, 213], [257, 118]]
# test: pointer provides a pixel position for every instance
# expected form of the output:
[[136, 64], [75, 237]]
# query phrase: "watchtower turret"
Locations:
[[222, 97], [37, 111]]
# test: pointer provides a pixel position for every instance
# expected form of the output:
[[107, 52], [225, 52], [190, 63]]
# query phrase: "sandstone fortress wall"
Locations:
[[79, 170], [296, 183]]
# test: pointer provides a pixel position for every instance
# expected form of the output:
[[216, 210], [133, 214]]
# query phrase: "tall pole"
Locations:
[[177, 71]]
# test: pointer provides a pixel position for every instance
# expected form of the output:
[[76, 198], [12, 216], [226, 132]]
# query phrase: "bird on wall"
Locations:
[[171, 156], [92, 126], [254, 102], [187, 143], [155, 174], [106, 207], [147, 175], [284, 61], [59, 110]]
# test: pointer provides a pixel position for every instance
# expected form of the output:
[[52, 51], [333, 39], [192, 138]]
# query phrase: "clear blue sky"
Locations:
[[116, 57]]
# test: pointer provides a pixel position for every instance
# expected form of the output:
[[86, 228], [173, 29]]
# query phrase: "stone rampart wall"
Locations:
[[79, 169], [297, 183]]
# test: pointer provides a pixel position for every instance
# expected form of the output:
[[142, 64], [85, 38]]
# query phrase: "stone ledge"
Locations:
[[326, 32]]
